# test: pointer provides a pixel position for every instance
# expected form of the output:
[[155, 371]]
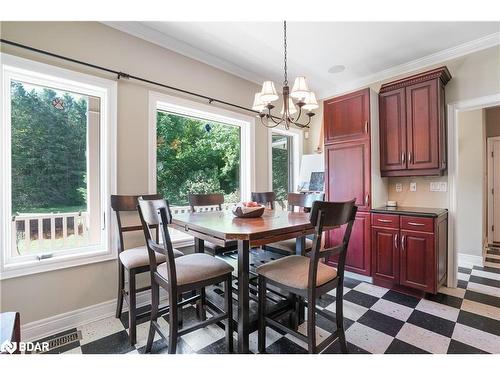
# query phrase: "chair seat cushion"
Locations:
[[213, 246], [289, 245], [138, 257], [293, 271], [192, 268]]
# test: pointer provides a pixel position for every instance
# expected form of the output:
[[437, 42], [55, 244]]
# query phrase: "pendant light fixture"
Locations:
[[305, 100]]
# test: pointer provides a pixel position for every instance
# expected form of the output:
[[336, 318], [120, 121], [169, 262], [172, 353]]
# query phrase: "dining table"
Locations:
[[220, 227]]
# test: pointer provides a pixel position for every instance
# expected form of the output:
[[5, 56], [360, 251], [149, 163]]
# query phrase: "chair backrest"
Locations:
[[267, 198], [156, 213], [327, 216], [212, 199], [127, 203], [304, 201]]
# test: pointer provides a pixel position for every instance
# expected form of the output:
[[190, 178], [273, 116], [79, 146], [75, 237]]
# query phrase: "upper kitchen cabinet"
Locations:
[[347, 117], [413, 126]]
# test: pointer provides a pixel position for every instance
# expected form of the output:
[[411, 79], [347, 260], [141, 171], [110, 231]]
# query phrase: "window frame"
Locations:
[[296, 153], [190, 108], [16, 68]]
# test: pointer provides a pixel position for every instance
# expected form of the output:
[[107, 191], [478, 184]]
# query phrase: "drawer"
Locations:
[[421, 224], [386, 221]]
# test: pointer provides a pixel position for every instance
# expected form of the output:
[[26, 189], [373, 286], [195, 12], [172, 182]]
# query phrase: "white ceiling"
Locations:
[[370, 51]]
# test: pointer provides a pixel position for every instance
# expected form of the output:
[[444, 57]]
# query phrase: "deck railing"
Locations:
[[29, 229]]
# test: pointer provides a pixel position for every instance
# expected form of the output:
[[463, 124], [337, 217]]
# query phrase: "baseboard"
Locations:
[[352, 275], [45, 327], [475, 260]]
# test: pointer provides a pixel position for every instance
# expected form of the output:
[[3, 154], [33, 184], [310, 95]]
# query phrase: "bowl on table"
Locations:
[[248, 210]]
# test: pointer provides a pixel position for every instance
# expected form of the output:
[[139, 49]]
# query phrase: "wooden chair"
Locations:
[[214, 199], [267, 198], [302, 202], [180, 275], [132, 261], [306, 277]]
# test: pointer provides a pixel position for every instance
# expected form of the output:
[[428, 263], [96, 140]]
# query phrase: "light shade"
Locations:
[[311, 102], [291, 107], [258, 104], [300, 89], [268, 93]]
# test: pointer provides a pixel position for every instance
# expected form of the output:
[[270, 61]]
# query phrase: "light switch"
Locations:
[[399, 188], [413, 186], [434, 186], [443, 186]]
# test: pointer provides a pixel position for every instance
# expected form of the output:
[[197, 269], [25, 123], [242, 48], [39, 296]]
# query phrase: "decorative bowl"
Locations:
[[248, 212]]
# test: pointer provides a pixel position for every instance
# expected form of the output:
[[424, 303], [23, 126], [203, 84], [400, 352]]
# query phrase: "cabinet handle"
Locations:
[[384, 220], [396, 240], [367, 198], [403, 156], [415, 224], [366, 127], [403, 237], [409, 156]]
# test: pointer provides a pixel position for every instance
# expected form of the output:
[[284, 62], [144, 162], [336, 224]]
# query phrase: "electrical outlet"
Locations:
[[399, 188], [443, 186], [434, 186], [438, 186], [413, 186]]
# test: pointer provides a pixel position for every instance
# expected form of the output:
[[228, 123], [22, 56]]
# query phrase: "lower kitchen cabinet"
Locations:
[[359, 250], [409, 251]]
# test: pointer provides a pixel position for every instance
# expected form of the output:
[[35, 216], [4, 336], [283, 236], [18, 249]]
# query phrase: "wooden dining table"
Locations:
[[219, 227]]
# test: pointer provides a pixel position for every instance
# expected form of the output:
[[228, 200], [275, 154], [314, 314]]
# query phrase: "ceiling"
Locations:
[[370, 51]]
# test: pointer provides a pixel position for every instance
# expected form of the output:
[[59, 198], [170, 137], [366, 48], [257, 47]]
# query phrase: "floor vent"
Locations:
[[67, 339]]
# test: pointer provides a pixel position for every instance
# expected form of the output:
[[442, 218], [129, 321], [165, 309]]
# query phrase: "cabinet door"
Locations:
[[392, 107], [348, 173], [422, 125], [347, 117], [358, 257], [417, 265], [385, 254]]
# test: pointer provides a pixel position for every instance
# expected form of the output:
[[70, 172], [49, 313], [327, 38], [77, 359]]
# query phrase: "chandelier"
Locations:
[[305, 100]]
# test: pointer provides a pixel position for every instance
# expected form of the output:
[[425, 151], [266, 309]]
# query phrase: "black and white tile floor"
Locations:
[[377, 320]]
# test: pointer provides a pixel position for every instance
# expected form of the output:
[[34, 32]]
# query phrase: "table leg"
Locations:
[[199, 247], [243, 297], [300, 249]]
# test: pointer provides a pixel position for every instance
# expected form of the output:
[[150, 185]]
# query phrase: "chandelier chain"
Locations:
[[284, 43]]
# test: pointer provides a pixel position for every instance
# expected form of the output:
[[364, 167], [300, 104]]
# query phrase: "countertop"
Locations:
[[411, 211]]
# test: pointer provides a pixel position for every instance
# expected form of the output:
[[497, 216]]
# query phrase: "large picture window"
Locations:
[[56, 166]]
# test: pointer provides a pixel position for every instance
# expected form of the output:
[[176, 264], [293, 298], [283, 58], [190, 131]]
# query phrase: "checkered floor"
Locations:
[[377, 320]]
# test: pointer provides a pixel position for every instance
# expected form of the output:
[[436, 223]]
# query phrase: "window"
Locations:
[[57, 142], [196, 156], [198, 148], [285, 151]]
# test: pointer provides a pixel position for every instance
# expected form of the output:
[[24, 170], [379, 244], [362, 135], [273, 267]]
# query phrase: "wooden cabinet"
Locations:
[[358, 257], [409, 251], [412, 125], [348, 172], [417, 264], [347, 117], [385, 250]]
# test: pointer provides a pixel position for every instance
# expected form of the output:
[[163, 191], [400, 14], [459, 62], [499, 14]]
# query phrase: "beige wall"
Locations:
[[474, 75], [492, 120], [39, 296], [470, 182]]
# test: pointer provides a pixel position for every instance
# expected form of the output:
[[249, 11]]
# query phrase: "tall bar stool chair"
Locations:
[[131, 261], [267, 198], [215, 200], [301, 202], [308, 278], [180, 275]]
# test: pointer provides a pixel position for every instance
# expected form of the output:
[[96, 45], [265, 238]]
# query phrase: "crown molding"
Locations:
[[411, 66], [151, 35]]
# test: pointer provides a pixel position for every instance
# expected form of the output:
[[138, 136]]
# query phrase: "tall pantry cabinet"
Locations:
[[350, 124]]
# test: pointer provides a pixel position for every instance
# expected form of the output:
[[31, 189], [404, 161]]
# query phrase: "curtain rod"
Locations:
[[123, 75]]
